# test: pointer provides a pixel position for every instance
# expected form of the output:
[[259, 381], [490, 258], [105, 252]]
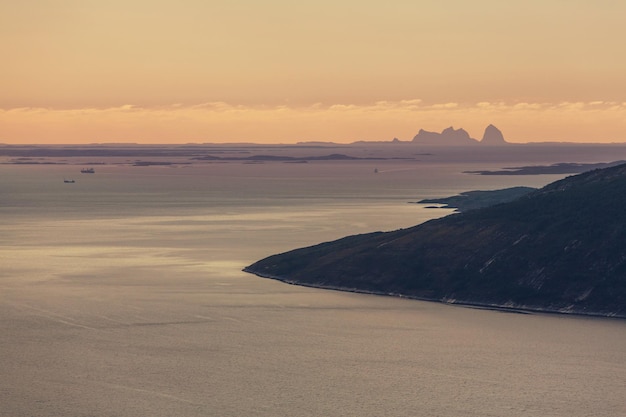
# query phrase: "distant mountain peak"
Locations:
[[448, 136], [459, 137], [493, 136]]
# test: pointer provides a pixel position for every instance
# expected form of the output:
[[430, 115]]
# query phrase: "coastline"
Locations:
[[516, 309]]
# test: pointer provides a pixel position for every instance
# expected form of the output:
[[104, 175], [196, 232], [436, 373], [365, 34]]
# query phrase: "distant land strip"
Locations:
[[560, 168], [282, 158]]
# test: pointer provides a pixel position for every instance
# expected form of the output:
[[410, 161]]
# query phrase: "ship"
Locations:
[[88, 171]]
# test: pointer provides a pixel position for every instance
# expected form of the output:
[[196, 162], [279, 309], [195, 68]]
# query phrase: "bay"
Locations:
[[122, 294]]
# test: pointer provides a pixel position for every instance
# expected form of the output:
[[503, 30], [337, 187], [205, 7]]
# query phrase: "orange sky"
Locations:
[[175, 71]]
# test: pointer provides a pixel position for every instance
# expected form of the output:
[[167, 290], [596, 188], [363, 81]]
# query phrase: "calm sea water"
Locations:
[[122, 295]]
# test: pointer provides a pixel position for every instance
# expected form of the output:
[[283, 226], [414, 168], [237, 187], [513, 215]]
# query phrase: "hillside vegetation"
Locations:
[[561, 248]]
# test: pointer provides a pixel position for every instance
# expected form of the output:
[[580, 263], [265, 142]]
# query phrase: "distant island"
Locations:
[[532, 159], [560, 249], [459, 137], [560, 168], [282, 158]]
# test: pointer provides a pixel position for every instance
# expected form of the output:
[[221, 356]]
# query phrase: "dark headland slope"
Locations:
[[561, 249]]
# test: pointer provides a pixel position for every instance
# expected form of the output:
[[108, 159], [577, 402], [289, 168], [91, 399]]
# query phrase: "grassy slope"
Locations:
[[561, 248]]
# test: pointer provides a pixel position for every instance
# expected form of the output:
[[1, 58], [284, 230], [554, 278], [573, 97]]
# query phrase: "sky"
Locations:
[[278, 71]]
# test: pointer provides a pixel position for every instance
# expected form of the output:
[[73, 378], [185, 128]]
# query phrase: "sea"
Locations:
[[122, 294]]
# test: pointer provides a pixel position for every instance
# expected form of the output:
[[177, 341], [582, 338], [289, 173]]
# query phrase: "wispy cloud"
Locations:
[[381, 120]]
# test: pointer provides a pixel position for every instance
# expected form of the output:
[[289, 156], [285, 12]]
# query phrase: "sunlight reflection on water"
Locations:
[[124, 296]]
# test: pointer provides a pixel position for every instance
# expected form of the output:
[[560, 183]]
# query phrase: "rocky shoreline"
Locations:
[[505, 308]]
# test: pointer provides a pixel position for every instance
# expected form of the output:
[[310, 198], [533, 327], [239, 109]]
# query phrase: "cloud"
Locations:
[[445, 106], [221, 121], [529, 106]]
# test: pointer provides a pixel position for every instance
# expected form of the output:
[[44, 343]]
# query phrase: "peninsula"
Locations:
[[561, 248]]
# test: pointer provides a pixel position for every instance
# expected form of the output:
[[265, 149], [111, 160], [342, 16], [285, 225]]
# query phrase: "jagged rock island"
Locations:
[[459, 137], [448, 136], [493, 137], [561, 248]]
